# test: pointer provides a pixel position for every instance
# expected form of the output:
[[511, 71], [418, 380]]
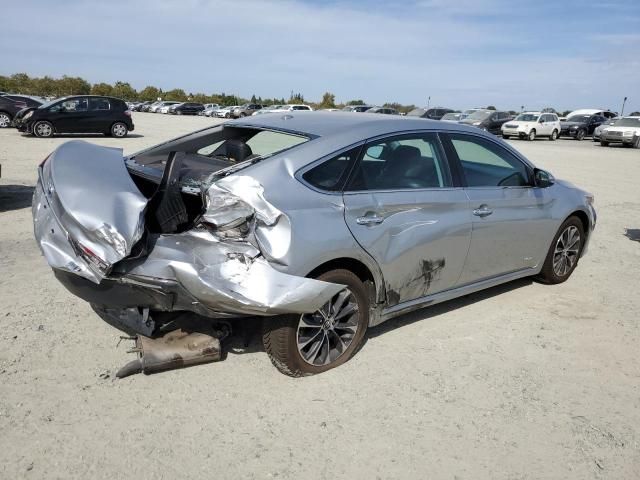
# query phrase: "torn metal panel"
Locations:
[[87, 196], [230, 276]]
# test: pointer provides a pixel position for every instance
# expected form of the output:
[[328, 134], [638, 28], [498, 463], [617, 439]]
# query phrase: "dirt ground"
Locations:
[[523, 381]]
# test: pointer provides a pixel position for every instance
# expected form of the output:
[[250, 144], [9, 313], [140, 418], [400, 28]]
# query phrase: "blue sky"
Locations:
[[462, 53]]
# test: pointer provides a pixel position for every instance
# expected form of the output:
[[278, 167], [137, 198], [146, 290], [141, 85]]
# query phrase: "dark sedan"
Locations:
[[431, 113], [488, 120], [78, 114], [579, 126], [10, 105], [187, 108]]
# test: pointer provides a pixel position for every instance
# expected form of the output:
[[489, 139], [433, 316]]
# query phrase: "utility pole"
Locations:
[[623, 102], [428, 102]]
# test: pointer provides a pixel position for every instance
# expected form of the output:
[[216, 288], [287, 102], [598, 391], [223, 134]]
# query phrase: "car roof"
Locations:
[[323, 123]]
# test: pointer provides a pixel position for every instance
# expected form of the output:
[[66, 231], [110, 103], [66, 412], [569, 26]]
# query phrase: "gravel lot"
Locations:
[[523, 381]]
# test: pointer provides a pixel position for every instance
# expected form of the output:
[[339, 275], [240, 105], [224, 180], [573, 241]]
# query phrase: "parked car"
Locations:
[[596, 132], [468, 112], [211, 111], [225, 112], [166, 108], [383, 110], [146, 107], [209, 107], [488, 120], [242, 220], [78, 114], [245, 110], [356, 108], [269, 109], [453, 117], [431, 113], [186, 108], [158, 106], [10, 105], [625, 131], [530, 125], [594, 111], [581, 125]]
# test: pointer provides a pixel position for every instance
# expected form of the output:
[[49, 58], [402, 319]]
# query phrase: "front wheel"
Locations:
[[119, 130], [43, 129], [580, 135], [311, 343], [604, 143], [554, 136], [506, 137], [564, 253], [5, 120], [532, 135]]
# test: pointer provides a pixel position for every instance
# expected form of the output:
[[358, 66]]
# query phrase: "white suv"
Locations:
[[626, 131], [530, 125]]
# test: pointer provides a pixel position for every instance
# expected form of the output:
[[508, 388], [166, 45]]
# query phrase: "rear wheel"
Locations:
[[301, 345], [554, 136], [119, 130], [43, 129], [5, 120], [532, 135], [564, 253]]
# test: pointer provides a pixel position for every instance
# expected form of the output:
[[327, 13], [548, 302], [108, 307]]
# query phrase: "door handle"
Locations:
[[482, 211], [372, 220]]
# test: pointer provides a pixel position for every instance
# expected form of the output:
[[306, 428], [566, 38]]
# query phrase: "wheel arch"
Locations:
[[376, 290]]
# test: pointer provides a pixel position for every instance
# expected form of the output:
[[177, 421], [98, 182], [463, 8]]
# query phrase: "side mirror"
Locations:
[[541, 120], [543, 178]]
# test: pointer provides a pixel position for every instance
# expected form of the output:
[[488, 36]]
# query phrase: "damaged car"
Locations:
[[320, 223]]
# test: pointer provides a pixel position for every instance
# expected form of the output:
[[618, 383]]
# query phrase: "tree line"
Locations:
[[48, 86]]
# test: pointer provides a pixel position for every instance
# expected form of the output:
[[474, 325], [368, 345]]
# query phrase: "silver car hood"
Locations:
[[89, 214]]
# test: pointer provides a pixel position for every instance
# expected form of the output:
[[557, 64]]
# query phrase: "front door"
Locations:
[[72, 116], [510, 217], [402, 208]]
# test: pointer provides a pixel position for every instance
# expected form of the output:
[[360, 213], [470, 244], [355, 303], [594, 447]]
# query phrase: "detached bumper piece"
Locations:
[[179, 348]]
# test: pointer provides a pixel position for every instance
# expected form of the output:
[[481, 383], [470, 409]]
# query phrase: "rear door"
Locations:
[[100, 114], [510, 217], [403, 208]]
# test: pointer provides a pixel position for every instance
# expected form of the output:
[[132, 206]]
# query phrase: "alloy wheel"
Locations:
[[43, 129], [5, 120], [324, 335], [119, 130], [566, 251]]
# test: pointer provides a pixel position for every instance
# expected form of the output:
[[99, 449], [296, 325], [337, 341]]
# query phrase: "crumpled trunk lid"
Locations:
[[88, 212]]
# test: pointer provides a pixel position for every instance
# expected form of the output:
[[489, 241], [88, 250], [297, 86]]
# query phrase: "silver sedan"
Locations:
[[321, 223]]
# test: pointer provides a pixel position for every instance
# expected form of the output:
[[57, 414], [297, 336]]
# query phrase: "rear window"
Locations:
[[263, 143]]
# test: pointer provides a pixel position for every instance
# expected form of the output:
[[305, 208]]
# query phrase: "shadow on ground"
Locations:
[[15, 197], [633, 234], [87, 135]]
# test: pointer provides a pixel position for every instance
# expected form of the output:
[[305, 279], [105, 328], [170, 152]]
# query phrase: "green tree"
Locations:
[[124, 90], [101, 89], [491, 107], [149, 93], [356, 102], [328, 100], [177, 95]]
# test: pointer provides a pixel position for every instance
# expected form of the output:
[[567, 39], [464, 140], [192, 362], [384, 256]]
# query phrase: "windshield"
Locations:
[[628, 122], [51, 102], [451, 116], [579, 118], [527, 117], [479, 115]]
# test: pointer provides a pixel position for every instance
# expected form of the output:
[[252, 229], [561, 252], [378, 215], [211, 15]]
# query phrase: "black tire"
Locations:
[[580, 135], [554, 136], [119, 130], [43, 129], [548, 274], [506, 137], [604, 143], [532, 135], [636, 143], [5, 119], [280, 334]]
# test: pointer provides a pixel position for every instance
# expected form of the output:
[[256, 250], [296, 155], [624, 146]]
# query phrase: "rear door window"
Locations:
[[99, 104]]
